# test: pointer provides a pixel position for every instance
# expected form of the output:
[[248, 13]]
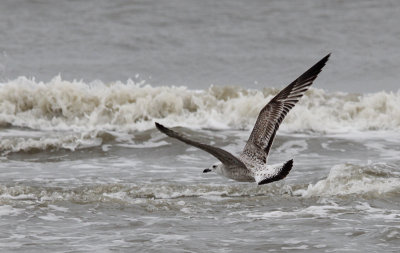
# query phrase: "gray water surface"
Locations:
[[156, 199], [254, 44], [82, 168]]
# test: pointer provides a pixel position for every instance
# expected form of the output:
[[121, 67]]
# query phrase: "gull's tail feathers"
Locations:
[[280, 174]]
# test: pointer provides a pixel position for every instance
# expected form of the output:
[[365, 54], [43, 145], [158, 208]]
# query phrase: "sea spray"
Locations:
[[371, 180], [130, 107]]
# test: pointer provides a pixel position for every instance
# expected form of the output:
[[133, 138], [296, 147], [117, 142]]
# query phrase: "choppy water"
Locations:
[[84, 170], [197, 43]]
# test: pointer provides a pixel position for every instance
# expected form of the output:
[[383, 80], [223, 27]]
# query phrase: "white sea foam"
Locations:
[[51, 217], [378, 213], [9, 210], [125, 107], [132, 193], [321, 211], [349, 179], [344, 180], [331, 211], [69, 141]]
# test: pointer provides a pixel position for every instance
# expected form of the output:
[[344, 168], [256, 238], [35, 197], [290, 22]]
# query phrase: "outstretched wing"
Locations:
[[224, 156], [272, 115]]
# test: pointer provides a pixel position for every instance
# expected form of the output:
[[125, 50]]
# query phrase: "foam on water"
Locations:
[[69, 141], [369, 181], [351, 179], [314, 211], [9, 210], [125, 107], [68, 115], [128, 193], [330, 211]]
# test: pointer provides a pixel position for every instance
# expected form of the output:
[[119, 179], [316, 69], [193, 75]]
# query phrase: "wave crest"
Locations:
[[130, 193], [350, 179], [344, 180], [130, 106]]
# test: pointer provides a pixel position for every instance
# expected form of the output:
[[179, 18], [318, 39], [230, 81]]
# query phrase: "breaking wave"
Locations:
[[129, 193], [350, 179], [130, 107], [66, 140], [344, 180]]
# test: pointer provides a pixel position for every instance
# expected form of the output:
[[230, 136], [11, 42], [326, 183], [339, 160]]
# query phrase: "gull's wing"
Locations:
[[224, 156], [271, 116]]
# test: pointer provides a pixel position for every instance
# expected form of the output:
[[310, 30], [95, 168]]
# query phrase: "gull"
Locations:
[[251, 165]]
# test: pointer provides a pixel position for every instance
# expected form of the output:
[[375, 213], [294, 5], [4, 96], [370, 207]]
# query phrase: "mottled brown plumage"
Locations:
[[272, 115]]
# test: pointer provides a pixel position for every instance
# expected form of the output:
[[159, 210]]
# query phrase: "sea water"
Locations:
[[83, 168]]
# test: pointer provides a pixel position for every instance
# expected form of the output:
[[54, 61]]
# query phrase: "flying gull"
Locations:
[[251, 165]]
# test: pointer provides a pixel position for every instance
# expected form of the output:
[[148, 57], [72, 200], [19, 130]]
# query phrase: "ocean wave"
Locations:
[[16, 141], [130, 107], [344, 180], [370, 180], [69, 142], [130, 192]]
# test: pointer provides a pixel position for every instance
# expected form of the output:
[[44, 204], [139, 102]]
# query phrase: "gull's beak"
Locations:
[[206, 170]]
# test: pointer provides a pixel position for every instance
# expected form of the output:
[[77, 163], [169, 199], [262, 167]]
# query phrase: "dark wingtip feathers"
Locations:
[[322, 62], [286, 168], [162, 128], [158, 125], [325, 59], [282, 174], [316, 69]]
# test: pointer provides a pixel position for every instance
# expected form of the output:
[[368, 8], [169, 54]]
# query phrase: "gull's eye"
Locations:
[[214, 166]]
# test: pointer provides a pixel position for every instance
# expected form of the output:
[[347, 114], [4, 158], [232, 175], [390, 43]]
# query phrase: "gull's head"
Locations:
[[213, 168]]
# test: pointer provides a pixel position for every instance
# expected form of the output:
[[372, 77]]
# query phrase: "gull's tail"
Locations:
[[281, 173]]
